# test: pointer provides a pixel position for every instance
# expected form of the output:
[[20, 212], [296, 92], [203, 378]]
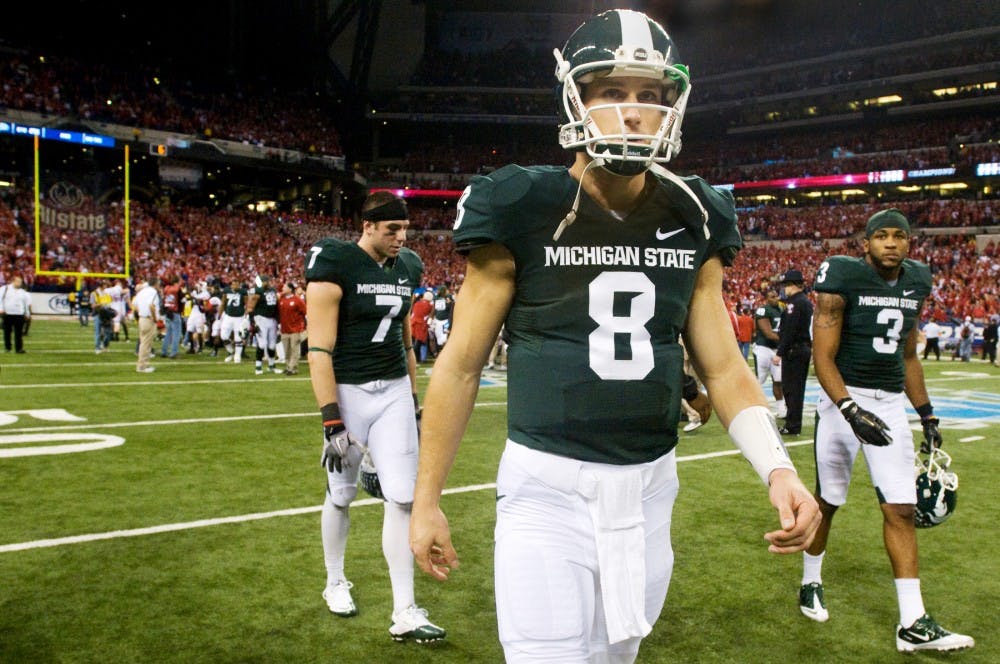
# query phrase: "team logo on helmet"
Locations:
[[621, 42], [937, 489]]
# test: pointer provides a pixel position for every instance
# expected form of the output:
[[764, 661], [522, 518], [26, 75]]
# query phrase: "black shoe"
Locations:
[[22, 351], [787, 431]]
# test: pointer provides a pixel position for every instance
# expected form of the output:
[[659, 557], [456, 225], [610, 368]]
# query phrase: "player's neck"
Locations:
[[610, 191], [373, 253], [890, 275]]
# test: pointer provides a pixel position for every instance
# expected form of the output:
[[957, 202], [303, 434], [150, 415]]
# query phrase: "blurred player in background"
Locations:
[[363, 373]]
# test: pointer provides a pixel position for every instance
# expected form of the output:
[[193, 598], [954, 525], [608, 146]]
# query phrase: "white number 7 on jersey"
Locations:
[[395, 303]]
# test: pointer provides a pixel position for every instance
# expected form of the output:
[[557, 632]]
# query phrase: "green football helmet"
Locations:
[[937, 489], [621, 42]]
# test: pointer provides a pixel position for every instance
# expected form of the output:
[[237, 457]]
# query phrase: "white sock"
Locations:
[[812, 566], [911, 602], [396, 548], [239, 353], [335, 523]]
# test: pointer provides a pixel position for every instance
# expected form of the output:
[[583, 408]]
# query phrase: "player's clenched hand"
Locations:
[[702, 405], [797, 510], [867, 426], [430, 541], [336, 441], [932, 436]]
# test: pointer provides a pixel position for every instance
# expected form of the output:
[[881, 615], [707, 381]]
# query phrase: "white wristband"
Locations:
[[756, 435]]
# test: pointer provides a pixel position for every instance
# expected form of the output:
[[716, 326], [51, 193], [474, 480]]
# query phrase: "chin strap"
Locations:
[[571, 215]]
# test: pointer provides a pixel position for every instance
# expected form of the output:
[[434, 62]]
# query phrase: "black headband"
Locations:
[[394, 210]]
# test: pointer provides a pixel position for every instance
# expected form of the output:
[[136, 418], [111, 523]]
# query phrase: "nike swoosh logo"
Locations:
[[663, 236], [402, 281], [919, 637], [909, 292]]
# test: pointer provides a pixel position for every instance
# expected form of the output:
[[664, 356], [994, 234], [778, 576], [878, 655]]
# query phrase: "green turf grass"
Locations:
[[250, 591]]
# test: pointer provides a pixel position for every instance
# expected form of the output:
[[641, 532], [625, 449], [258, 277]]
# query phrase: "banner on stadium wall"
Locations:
[[67, 206], [49, 303]]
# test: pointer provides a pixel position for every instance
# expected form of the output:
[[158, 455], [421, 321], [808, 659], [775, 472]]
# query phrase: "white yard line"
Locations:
[[257, 516], [195, 420]]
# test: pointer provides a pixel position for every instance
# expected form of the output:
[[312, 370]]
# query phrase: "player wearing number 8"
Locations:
[[597, 271], [865, 355]]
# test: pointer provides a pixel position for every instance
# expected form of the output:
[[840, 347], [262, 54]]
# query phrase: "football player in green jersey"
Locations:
[[865, 354], [363, 374], [767, 325], [262, 305], [234, 299], [596, 270]]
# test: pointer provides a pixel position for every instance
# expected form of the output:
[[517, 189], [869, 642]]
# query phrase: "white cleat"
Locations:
[[338, 598]]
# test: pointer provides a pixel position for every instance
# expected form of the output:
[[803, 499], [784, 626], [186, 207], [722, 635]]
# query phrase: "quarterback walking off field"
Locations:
[[865, 336], [597, 271]]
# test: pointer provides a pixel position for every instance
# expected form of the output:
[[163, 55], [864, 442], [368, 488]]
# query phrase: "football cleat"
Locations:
[[411, 624], [338, 598], [811, 602], [926, 634], [692, 425], [937, 489]]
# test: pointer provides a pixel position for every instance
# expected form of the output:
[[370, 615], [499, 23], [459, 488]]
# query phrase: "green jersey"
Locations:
[[878, 318], [374, 307], [595, 367], [267, 302], [771, 313], [234, 301]]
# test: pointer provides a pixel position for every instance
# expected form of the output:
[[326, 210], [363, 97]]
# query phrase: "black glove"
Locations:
[[932, 437], [336, 440], [867, 426]]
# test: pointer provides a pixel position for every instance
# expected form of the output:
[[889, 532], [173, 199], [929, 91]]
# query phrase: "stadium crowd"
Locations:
[[232, 246], [143, 98]]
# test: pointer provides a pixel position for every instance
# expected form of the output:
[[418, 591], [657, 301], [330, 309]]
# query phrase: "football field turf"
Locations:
[[174, 517]]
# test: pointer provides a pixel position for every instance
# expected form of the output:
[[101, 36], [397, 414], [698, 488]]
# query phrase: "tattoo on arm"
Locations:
[[829, 310]]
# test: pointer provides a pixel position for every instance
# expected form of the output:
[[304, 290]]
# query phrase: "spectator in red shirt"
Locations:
[[292, 322], [422, 310], [172, 316], [744, 334]]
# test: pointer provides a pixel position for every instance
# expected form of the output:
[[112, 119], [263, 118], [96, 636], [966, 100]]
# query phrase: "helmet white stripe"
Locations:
[[635, 30]]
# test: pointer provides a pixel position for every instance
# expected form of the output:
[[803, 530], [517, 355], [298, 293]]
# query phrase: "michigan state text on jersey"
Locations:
[[571, 375], [376, 303], [878, 318]]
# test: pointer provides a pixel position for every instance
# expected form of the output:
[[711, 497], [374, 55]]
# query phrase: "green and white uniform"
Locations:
[[369, 361], [588, 478], [234, 301], [265, 314], [375, 305], [594, 361], [764, 348], [878, 318]]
